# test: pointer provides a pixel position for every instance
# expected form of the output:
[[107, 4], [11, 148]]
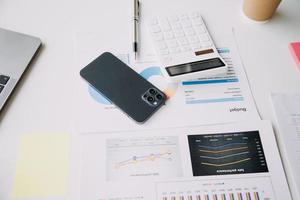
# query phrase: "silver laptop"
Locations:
[[16, 52]]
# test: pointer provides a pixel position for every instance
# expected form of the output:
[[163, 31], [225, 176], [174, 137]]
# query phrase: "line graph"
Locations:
[[221, 146], [143, 157], [147, 158], [227, 153], [222, 151], [227, 156], [225, 164]]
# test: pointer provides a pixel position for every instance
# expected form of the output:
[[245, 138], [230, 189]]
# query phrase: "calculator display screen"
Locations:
[[195, 66]]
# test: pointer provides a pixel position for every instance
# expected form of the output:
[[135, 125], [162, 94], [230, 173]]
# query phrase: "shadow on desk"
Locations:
[[284, 18]]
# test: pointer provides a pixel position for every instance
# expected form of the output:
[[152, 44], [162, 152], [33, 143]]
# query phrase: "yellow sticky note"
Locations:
[[42, 166]]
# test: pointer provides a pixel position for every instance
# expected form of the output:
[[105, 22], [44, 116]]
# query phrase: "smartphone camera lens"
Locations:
[[152, 91], [159, 97], [153, 97], [150, 99]]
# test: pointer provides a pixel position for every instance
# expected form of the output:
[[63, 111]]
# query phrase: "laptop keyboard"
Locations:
[[3, 81]]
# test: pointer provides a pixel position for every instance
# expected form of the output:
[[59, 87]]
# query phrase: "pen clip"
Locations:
[[138, 7]]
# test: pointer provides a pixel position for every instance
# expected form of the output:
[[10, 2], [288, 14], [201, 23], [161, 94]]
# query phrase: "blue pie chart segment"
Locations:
[[98, 96], [151, 71]]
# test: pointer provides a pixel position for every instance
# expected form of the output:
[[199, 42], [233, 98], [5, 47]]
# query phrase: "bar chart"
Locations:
[[222, 196], [228, 189]]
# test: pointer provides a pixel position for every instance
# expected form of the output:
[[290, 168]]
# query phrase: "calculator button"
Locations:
[[163, 20], [177, 26], [153, 22], [172, 43], [3, 79], [200, 29], [1, 88], [204, 37], [166, 28], [179, 33], [183, 41], [165, 24], [184, 16], [195, 14], [167, 59], [206, 44], [175, 50], [164, 52], [158, 36], [186, 48], [162, 45], [173, 18], [198, 21], [169, 35], [186, 23], [196, 46], [156, 29], [194, 39], [190, 31]]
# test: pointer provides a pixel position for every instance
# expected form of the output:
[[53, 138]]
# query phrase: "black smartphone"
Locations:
[[124, 87]]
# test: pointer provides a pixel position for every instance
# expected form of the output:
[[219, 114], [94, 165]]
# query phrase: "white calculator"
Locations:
[[185, 48]]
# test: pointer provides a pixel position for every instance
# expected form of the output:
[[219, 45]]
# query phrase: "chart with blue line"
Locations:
[[227, 153], [222, 88]]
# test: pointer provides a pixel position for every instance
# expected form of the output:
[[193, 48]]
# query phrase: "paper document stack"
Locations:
[[287, 111]]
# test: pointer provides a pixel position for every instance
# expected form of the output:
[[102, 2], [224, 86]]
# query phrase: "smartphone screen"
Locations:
[[125, 88]]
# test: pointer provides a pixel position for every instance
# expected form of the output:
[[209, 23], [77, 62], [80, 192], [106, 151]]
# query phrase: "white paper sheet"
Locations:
[[234, 162], [287, 111], [221, 99]]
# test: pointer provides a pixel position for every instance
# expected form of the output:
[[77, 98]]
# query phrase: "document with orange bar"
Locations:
[[224, 162], [225, 98]]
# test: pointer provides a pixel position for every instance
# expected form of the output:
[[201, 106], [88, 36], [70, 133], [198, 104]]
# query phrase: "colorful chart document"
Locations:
[[224, 162], [220, 99], [287, 111]]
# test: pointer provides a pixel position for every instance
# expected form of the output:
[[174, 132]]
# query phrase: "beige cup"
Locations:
[[260, 10]]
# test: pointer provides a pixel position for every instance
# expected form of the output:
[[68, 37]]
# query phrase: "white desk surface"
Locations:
[[42, 101]]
